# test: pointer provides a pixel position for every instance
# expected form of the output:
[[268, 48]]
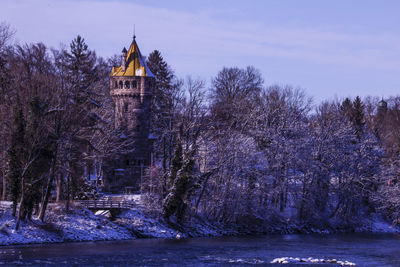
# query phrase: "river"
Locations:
[[361, 249]]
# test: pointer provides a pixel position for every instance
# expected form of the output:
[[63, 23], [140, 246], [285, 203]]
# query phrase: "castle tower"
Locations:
[[131, 89], [382, 106], [379, 119]]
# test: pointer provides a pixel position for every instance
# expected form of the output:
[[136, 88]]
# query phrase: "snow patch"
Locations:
[[77, 225], [287, 260]]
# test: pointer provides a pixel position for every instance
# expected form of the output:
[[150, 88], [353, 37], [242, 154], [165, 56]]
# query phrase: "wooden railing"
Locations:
[[89, 204], [105, 204], [5, 205]]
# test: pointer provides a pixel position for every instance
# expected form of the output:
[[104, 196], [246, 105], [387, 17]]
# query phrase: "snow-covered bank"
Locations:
[[78, 225], [82, 225]]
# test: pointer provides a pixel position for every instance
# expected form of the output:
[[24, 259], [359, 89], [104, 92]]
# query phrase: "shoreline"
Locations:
[[82, 225]]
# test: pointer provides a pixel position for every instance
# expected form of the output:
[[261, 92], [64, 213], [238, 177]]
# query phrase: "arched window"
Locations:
[[127, 84], [134, 84], [116, 84], [126, 107], [121, 84]]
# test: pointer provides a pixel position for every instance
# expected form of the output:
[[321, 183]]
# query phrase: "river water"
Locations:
[[361, 249]]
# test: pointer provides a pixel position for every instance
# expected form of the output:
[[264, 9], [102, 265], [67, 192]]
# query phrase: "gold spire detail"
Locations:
[[135, 64]]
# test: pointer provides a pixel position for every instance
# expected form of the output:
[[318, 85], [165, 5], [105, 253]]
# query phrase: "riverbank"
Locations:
[[81, 225]]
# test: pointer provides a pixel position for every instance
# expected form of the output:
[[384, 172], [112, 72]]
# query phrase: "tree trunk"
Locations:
[[58, 188], [203, 189], [281, 200], [20, 205], [48, 190], [68, 193], [98, 171], [303, 202], [4, 193], [164, 167]]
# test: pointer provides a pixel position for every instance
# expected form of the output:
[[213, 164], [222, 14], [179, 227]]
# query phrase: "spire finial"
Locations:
[[134, 34]]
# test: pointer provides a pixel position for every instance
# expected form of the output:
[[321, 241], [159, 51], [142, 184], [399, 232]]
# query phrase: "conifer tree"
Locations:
[[354, 112], [5, 80], [163, 75], [175, 201], [358, 116], [80, 62], [166, 96], [82, 79], [346, 109], [15, 153], [177, 161]]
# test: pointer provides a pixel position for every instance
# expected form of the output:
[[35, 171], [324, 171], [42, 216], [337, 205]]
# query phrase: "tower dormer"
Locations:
[[123, 59]]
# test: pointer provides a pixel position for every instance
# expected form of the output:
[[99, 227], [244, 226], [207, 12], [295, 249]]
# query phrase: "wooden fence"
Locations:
[[105, 204], [89, 204]]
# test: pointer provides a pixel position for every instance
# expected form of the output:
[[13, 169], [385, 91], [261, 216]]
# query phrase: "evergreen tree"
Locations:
[[177, 161], [16, 152], [5, 80], [167, 94], [175, 201], [163, 78], [83, 81], [346, 109], [80, 62], [358, 116], [354, 112], [41, 145]]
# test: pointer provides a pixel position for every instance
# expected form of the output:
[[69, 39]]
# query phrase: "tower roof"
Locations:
[[382, 104], [135, 64]]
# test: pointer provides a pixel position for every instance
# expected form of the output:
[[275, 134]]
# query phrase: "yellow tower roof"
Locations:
[[134, 62]]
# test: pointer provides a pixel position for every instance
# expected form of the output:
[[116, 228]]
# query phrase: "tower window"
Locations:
[[138, 128], [127, 84], [126, 107], [116, 84], [127, 162], [121, 84], [134, 84]]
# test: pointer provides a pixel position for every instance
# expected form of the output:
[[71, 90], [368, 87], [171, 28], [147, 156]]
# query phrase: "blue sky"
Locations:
[[329, 48]]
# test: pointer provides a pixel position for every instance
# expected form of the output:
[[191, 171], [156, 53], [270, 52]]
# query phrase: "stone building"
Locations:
[[131, 89]]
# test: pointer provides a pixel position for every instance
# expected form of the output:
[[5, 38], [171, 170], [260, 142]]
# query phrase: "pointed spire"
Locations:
[[132, 62], [382, 104]]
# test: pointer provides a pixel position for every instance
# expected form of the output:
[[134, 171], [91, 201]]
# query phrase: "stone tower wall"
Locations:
[[132, 97]]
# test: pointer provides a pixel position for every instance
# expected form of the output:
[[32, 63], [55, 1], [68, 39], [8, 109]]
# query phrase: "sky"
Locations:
[[331, 49]]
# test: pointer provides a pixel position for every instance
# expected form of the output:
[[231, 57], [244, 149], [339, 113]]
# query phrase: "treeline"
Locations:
[[249, 154], [56, 123], [239, 152]]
